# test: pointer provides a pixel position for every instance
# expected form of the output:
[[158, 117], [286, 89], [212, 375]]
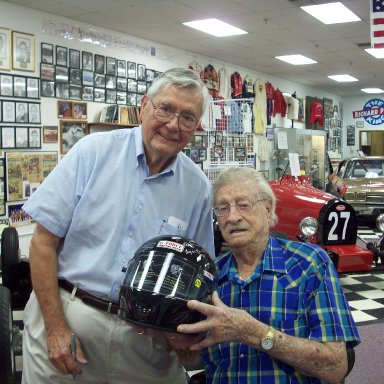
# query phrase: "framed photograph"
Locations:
[[21, 112], [71, 131], [194, 154], [141, 87], [88, 78], [34, 140], [19, 86], [99, 95], [62, 90], [110, 82], [87, 60], [6, 85], [75, 76], [131, 99], [121, 84], [61, 56], [47, 88], [74, 58], [50, 133], [121, 98], [5, 49], [99, 64], [21, 137], [8, 111], [16, 214], [240, 153], [138, 100], [111, 66], [149, 75], [8, 137], [47, 72], [218, 151], [23, 51], [99, 80], [132, 85], [61, 74], [131, 66], [219, 138], [79, 110], [110, 96], [75, 92], [87, 93], [34, 115], [141, 72], [47, 53], [32, 88], [202, 154], [64, 109], [121, 68]]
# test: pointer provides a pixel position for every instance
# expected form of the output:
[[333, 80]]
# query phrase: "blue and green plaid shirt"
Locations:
[[295, 288]]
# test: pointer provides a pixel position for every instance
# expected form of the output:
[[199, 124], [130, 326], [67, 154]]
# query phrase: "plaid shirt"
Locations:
[[295, 288]]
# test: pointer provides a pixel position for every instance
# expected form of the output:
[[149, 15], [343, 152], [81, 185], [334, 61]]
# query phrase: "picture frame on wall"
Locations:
[[46, 53], [34, 137], [74, 58], [79, 110], [61, 56], [34, 113], [8, 111], [64, 109], [21, 112], [19, 86], [21, 137], [87, 60], [8, 137], [32, 88], [240, 153], [47, 88], [5, 49], [110, 66], [131, 70], [131, 98], [6, 85], [141, 72], [99, 63], [61, 74], [88, 77], [75, 92], [23, 51], [75, 76], [99, 95], [121, 68], [47, 72], [50, 133], [62, 90], [71, 131]]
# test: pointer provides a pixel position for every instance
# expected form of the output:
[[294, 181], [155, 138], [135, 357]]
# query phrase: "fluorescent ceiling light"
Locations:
[[296, 59], [372, 90], [376, 52], [331, 13], [343, 78], [215, 27]]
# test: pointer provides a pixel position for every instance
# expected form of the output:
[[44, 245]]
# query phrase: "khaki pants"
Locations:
[[115, 352]]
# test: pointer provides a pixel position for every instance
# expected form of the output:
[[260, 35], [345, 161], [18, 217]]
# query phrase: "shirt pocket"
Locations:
[[164, 228]]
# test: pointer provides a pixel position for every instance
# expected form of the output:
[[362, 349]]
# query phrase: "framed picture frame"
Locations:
[[23, 51], [121, 84], [47, 88], [141, 72], [121, 68], [110, 82], [99, 80], [87, 60], [131, 98], [88, 78], [46, 53], [110, 66], [8, 109], [218, 151], [79, 110], [240, 153], [74, 58], [64, 109], [202, 154], [21, 137], [47, 72], [21, 112], [61, 56], [75, 76], [121, 98], [99, 95], [110, 96], [194, 154], [87, 93], [131, 70], [141, 87], [75, 92], [34, 113], [62, 90], [71, 131], [50, 133], [8, 137], [132, 85], [149, 75], [6, 85], [61, 74], [34, 137], [99, 63], [19, 86], [33, 90], [219, 138], [5, 49]]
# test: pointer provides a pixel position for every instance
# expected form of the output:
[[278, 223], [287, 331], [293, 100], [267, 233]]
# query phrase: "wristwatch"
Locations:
[[269, 339]]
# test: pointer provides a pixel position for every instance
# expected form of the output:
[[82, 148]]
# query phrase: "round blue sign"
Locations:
[[377, 119]]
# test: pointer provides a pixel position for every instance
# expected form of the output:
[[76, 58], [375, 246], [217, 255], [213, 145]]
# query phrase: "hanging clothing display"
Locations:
[[248, 91], [246, 115], [262, 148], [234, 119], [279, 104], [316, 112], [236, 86], [260, 108], [211, 80], [224, 84], [293, 107], [270, 93]]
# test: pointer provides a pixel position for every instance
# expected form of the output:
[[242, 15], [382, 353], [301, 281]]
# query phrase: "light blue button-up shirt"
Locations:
[[101, 199]]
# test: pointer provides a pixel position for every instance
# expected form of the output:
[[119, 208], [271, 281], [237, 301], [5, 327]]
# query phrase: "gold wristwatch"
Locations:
[[267, 342]]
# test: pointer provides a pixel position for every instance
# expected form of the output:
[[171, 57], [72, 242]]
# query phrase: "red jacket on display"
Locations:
[[236, 86], [316, 112], [279, 104]]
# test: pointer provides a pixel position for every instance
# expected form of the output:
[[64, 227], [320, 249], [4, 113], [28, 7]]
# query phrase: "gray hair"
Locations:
[[181, 78], [233, 174]]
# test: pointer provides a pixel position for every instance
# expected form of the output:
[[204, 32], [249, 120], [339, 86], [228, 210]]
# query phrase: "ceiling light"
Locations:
[[215, 27], [372, 90], [331, 13], [376, 52], [296, 59], [343, 78]]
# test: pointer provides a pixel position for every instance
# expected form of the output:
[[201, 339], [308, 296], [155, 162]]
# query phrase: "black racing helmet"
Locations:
[[164, 273]]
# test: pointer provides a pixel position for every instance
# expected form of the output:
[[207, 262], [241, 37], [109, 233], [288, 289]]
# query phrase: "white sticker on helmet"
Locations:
[[171, 245]]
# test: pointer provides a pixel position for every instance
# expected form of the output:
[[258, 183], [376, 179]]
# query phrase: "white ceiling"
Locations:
[[275, 27]]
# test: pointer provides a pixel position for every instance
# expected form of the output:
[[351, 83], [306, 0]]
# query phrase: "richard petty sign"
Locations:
[[373, 112]]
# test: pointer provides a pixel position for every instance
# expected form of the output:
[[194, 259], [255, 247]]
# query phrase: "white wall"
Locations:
[[38, 23]]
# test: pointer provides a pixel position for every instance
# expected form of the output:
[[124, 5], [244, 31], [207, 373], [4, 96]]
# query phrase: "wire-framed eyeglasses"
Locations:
[[165, 113], [243, 206]]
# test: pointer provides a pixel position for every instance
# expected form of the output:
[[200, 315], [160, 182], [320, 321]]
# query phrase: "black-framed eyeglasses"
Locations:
[[242, 206], [165, 113]]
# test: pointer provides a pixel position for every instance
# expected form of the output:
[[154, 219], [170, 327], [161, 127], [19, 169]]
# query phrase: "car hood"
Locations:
[[365, 183]]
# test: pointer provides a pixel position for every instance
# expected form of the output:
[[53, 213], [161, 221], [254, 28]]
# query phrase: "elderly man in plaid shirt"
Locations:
[[279, 314]]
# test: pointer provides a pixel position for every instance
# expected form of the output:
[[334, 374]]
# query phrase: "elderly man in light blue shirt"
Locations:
[[112, 192]]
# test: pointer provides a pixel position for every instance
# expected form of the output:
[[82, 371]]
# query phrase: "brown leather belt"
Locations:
[[92, 301]]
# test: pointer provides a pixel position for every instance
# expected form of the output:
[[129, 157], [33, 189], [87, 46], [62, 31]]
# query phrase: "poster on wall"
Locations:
[[350, 135], [25, 171]]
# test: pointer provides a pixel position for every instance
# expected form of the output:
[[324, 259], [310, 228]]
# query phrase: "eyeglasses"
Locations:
[[164, 114], [243, 206]]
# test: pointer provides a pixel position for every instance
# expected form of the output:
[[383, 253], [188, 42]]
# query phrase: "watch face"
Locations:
[[267, 344]]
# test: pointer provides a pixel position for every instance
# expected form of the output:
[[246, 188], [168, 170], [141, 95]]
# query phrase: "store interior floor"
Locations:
[[365, 293]]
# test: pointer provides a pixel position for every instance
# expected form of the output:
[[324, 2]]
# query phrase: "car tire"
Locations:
[[9, 254], [7, 357], [279, 234]]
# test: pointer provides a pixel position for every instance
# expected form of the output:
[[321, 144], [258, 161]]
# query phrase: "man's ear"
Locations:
[[143, 103]]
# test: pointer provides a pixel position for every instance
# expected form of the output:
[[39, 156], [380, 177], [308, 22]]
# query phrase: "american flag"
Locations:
[[377, 24]]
